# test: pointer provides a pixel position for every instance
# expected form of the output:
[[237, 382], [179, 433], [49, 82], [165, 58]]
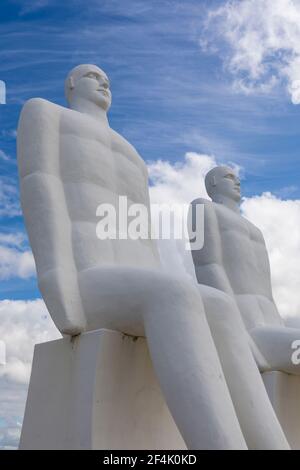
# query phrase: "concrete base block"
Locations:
[[284, 392], [96, 391]]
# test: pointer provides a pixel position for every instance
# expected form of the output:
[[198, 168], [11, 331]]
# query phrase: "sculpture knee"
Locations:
[[222, 312], [217, 303], [171, 293]]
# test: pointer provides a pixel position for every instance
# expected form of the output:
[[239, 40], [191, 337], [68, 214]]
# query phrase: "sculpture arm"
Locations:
[[46, 215], [208, 260]]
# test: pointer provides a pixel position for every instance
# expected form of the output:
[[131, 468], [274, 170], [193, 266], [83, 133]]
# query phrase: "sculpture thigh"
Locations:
[[170, 313], [257, 419], [276, 346]]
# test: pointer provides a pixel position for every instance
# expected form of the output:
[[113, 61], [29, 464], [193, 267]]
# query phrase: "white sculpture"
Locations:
[[70, 161], [234, 260]]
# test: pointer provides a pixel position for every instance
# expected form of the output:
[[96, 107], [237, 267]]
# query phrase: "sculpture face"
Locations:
[[229, 185], [89, 83], [223, 182]]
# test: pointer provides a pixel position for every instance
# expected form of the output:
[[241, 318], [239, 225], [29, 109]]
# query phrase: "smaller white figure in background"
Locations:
[[234, 261]]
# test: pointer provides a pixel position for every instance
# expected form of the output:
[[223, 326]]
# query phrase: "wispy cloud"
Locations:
[[4, 156], [259, 42], [286, 191], [10, 133], [9, 199], [13, 239], [15, 259], [32, 5]]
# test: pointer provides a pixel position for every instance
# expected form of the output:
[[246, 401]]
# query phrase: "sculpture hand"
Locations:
[[61, 294]]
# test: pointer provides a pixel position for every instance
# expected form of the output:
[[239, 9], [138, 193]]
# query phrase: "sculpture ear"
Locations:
[[213, 181]]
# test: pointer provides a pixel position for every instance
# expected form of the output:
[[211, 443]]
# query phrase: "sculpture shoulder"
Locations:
[[39, 107], [37, 137], [40, 117], [208, 205], [202, 200], [210, 214]]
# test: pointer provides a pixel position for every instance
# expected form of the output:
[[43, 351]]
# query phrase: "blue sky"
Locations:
[[171, 95]]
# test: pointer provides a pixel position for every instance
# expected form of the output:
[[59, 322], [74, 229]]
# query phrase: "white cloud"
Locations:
[[259, 41], [13, 239], [15, 259], [9, 436], [22, 325], [9, 199], [279, 221], [178, 183]]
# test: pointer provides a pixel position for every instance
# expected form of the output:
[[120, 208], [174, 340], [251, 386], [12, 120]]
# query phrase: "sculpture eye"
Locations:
[[91, 75]]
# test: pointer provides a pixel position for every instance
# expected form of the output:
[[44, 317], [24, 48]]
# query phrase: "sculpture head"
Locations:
[[223, 182], [90, 84]]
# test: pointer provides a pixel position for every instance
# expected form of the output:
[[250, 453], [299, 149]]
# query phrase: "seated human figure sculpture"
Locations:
[[234, 260], [70, 161]]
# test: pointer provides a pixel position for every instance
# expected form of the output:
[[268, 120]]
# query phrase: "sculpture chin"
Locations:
[[102, 100], [237, 197]]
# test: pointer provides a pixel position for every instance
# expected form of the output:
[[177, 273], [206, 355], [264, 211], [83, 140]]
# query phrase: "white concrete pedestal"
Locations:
[[284, 392], [97, 391]]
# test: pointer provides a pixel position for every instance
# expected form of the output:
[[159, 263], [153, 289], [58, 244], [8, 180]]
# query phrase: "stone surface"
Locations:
[[98, 391]]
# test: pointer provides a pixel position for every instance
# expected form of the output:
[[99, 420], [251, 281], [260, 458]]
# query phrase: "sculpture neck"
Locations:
[[228, 202], [91, 109]]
